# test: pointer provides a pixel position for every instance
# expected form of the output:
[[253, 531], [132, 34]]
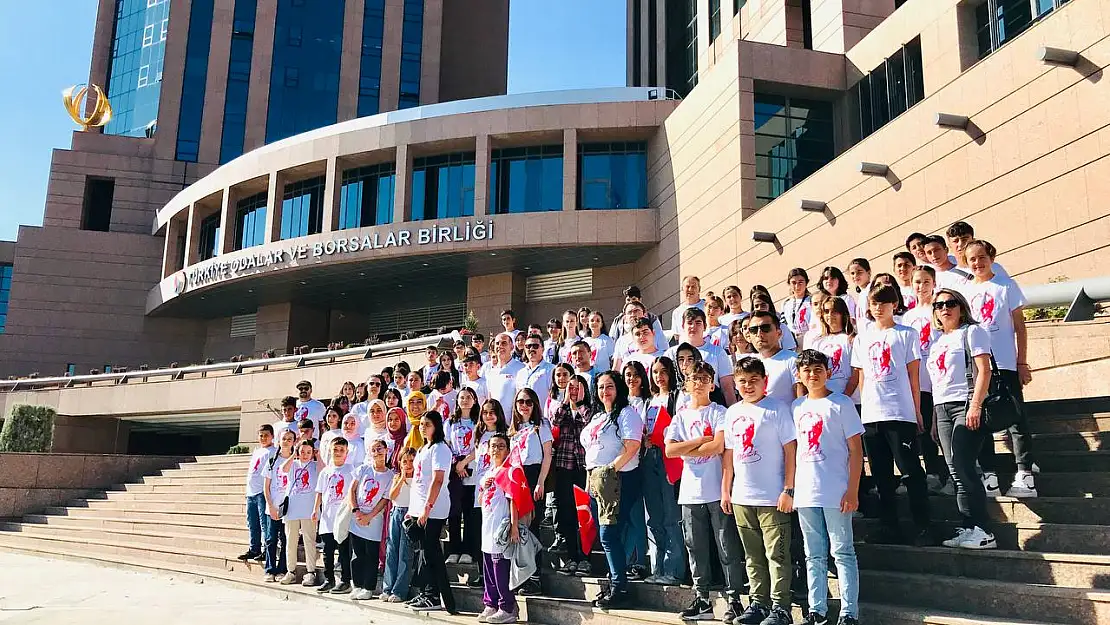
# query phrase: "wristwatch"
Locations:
[[789, 491]]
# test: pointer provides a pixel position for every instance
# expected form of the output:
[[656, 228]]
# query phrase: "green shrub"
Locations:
[[28, 428], [238, 449]]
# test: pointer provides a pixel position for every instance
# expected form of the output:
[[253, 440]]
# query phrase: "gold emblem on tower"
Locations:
[[76, 101]]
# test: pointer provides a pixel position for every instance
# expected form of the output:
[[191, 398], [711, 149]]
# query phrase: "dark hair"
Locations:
[[582, 343], [537, 411], [431, 348], [266, 427], [862, 262], [362, 392], [643, 322], [535, 328], [553, 392], [441, 380], [400, 399], [555, 322], [885, 278], [796, 272], [760, 296], [288, 400], [438, 435], [587, 399], [766, 314], [621, 401], [500, 436], [693, 314], [339, 413], [387, 374], [340, 441], [500, 425], [833, 272], [739, 294], [939, 240], [704, 368], [841, 307], [310, 443], [638, 369], [886, 295], [959, 229], [478, 336], [635, 303], [599, 314], [750, 364], [811, 357], [694, 353], [668, 368], [632, 291], [758, 288], [927, 269], [474, 414], [906, 256], [916, 236], [305, 423], [403, 368], [509, 312], [737, 328], [987, 247]]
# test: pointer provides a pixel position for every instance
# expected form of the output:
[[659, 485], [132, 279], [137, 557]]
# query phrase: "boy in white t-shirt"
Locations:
[[331, 495], [471, 377], [443, 395], [370, 482], [257, 518], [288, 417], [696, 434], [757, 486], [826, 486]]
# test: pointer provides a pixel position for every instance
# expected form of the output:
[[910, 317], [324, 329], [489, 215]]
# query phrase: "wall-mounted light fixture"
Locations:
[[813, 206], [948, 120], [1057, 56], [873, 169], [764, 237]]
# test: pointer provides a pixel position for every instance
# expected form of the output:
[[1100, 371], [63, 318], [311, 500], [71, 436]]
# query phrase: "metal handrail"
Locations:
[[1080, 296], [178, 373]]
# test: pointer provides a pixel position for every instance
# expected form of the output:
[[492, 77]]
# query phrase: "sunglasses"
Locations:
[[524, 401], [373, 384], [948, 303], [531, 346], [763, 328]]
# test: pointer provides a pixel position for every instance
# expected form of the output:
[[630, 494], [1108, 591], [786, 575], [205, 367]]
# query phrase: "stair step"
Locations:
[[186, 498], [137, 538], [1070, 422], [1059, 441], [224, 459], [212, 489], [152, 504], [151, 515], [203, 558], [1062, 510], [1033, 537], [185, 527]]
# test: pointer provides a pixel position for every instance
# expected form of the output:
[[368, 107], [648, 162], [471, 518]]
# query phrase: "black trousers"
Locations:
[[1020, 437], [344, 549], [889, 443], [566, 511], [930, 452], [364, 562], [532, 472], [430, 579], [461, 535]]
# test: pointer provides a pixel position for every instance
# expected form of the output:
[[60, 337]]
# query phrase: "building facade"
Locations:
[[340, 222]]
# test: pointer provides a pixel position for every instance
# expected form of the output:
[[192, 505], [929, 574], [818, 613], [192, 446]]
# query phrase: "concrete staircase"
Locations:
[[1053, 564]]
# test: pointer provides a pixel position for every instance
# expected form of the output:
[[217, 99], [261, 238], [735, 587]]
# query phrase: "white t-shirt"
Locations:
[[302, 495], [528, 442], [501, 382], [711, 354], [356, 450], [676, 315], [647, 360], [782, 375], [482, 463], [838, 349], [495, 510], [996, 269], [404, 495], [256, 471], [992, 304], [882, 357], [281, 426], [312, 410], [754, 435], [604, 441], [279, 480], [447, 407], [332, 486], [429, 459], [861, 300], [373, 485], [798, 314], [921, 321], [701, 477], [823, 427], [908, 297], [372, 435], [601, 351], [459, 436], [537, 378], [947, 362], [955, 278], [479, 387], [726, 319]]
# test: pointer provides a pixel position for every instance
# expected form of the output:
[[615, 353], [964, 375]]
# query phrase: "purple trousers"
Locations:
[[496, 583]]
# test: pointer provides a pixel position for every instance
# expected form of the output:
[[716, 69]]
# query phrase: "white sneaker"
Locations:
[[488, 612], [933, 483], [1036, 468], [384, 597], [269, 577], [957, 539], [309, 579], [502, 617], [288, 578], [977, 538], [990, 484], [1023, 486], [452, 559], [466, 559]]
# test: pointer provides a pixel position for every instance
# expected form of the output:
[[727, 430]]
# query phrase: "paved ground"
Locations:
[[39, 590]]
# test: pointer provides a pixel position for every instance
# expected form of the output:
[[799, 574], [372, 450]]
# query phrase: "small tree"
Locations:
[[28, 429], [470, 323]]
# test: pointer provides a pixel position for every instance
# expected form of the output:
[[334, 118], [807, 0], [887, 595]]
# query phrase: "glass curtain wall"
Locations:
[[526, 180], [135, 69], [890, 89], [793, 139], [443, 186], [412, 44], [238, 79], [250, 221], [5, 293], [999, 21], [370, 69], [612, 175], [302, 208], [366, 198], [194, 80], [208, 238]]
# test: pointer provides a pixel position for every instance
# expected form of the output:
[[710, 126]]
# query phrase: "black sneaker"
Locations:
[[569, 567], [425, 604], [559, 546], [343, 588], [475, 581], [326, 586], [848, 620], [885, 536], [735, 609], [612, 599], [924, 538], [814, 618], [753, 615], [778, 616], [699, 610], [637, 572], [260, 558], [530, 588], [250, 555], [414, 600]]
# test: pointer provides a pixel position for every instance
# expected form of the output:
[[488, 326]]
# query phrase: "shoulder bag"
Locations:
[[1000, 408]]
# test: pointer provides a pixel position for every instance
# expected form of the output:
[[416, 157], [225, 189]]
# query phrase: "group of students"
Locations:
[[758, 415]]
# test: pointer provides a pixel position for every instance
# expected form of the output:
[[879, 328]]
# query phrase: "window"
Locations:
[[653, 50], [412, 44], [793, 139], [807, 24], [208, 241], [577, 283], [302, 208], [243, 326], [137, 42], [96, 208], [890, 89], [238, 81], [304, 86], [71, 369], [691, 45], [5, 293], [366, 198], [999, 21], [193, 82], [682, 44], [637, 42], [526, 180], [612, 175], [714, 19], [443, 186], [370, 69], [250, 221]]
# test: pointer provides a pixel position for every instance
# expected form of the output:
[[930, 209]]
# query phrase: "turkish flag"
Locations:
[[673, 466], [587, 528], [512, 480]]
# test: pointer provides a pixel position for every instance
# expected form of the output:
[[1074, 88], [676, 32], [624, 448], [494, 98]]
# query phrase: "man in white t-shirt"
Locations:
[[536, 373], [959, 235], [500, 372], [693, 327], [691, 298], [308, 408], [643, 337], [765, 334], [258, 518], [581, 359]]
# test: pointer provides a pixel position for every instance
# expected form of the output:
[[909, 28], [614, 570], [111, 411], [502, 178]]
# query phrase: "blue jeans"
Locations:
[[820, 527], [398, 556], [635, 536], [256, 520], [668, 551], [612, 536], [275, 546]]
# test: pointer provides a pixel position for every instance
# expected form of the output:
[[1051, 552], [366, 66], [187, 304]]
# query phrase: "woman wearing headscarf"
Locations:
[[417, 405]]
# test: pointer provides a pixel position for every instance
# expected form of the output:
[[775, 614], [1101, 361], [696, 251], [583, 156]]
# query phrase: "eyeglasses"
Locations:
[[498, 446], [524, 401], [701, 379], [763, 328], [947, 303]]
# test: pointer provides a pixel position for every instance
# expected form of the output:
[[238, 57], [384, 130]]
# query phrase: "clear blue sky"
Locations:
[[45, 47]]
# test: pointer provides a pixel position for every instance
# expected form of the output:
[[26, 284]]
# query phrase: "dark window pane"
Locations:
[[526, 180], [96, 208], [714, 19], [238, 81], [209, 236], [370, 70], [794, 138], [193, 82], [896, 82], [366, 197], [302, 208]]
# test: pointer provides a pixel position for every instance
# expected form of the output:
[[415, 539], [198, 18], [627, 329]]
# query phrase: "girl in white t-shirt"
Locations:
[[738, 344], [398, 550], [497, 506], [859, 275], [531, 441], [303, 470], [833, 284], [356, 448], [460, 439], [715, 333], [491, 420], [958, 396], [601, 344], [887, 356], [797, 310], [639, 394], [376, 425], [275, 486], [429, 506], [368, 500], [835, 342]]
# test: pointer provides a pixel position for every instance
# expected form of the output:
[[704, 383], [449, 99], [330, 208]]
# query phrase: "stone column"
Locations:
[[403, 189], [262, 59], [227, 222], [192, 252], [273, 207], [171, 260], [570, 169], [350, 65], [482, 168], [391, 56], [333, 185]]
